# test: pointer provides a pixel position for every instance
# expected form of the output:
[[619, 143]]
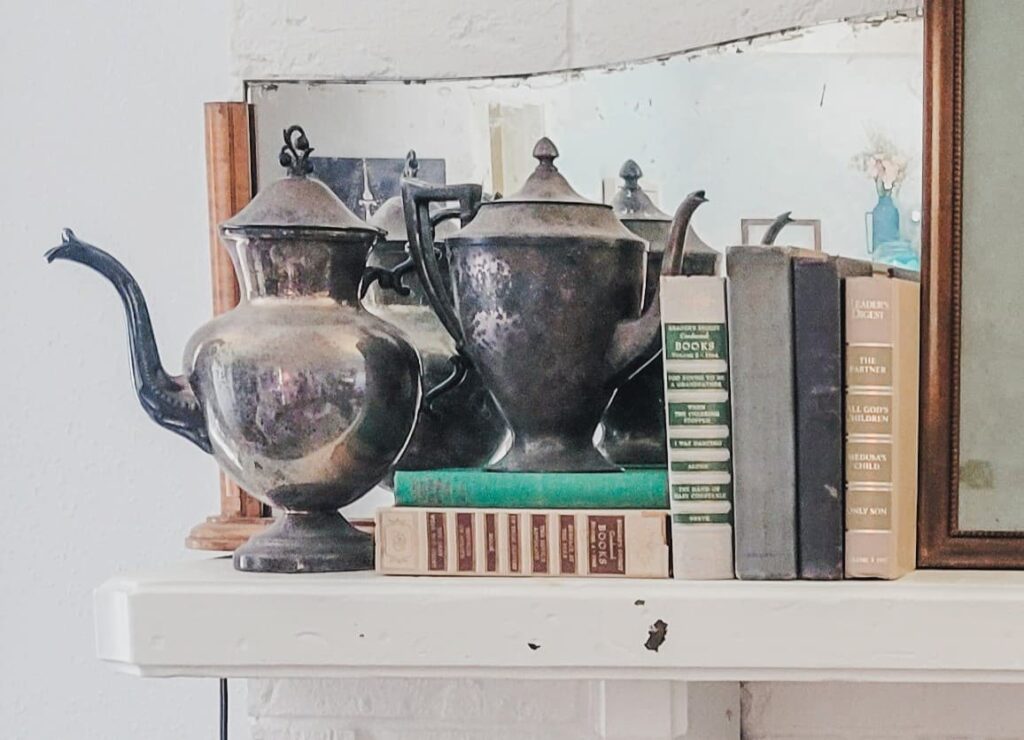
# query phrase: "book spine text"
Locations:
[[881, 426], [518, 542], [698, 421]]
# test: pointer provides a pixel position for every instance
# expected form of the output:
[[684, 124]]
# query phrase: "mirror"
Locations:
[[822, 122], [971, 512], [790, 123], [991, 465]]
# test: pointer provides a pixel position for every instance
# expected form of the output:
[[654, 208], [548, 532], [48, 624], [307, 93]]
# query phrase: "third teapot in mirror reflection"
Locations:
[[544, 300], [633, 427], [461, 428]]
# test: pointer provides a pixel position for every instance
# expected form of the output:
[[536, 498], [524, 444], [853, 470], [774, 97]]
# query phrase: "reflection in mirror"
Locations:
[[825, 123], [991, 342]]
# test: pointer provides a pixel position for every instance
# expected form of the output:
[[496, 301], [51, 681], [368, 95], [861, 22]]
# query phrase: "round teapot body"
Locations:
[[462, 428], [539, 316], [308, 402]]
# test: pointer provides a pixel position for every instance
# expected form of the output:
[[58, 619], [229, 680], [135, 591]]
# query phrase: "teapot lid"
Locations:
[[546, 206], [390, 216], [631, 203], [299, 200], [546, 184]]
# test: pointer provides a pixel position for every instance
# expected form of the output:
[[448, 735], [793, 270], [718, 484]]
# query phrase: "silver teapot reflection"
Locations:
[[461, 427], [632, 429], [304, 399]]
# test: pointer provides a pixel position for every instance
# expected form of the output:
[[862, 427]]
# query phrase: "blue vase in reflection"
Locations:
[[885, 221], [886, 245]]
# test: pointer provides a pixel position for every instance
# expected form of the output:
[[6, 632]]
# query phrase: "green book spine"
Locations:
[[631, 489]]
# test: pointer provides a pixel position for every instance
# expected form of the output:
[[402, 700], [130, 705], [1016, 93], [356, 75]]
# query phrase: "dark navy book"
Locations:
[[818, 370]]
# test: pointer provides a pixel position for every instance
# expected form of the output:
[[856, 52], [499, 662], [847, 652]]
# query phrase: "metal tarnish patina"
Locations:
[[544, 300], [461, 427], [633, 427], [303, 398]]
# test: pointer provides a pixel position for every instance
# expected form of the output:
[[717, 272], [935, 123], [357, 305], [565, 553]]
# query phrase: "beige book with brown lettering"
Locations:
[[882, 353], [522, 542]]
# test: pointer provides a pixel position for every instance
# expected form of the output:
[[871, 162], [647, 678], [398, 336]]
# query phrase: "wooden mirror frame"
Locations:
[[941, 541], [230, 183]]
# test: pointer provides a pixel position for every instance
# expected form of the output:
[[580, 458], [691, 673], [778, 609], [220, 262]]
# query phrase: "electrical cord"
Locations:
[[223, 709]]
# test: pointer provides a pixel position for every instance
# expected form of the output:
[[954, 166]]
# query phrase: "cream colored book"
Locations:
[[698, 421], [522, 542], [882, 353]]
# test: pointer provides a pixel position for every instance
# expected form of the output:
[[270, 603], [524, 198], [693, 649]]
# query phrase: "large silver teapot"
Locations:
[[304, 399], [544, 301]]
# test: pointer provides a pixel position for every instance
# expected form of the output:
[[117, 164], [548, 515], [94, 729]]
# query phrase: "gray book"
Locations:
[[763, 411]]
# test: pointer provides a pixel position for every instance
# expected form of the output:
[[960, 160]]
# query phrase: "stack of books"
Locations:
[[791, 390], [474, 522], [818, 470]]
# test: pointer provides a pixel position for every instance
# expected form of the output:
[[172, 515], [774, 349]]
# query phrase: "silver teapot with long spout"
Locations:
[[304, 399], [545, 301], [633, 427]]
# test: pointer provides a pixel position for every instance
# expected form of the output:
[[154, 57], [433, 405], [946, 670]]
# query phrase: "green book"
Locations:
[[637, 488]]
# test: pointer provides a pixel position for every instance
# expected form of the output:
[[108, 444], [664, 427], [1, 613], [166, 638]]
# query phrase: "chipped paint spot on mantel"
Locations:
[[395, 39]]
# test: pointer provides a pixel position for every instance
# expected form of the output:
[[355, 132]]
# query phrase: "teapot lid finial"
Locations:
[[630, 173], [630, 202], [545, 152], [412, 164], [295, 152]]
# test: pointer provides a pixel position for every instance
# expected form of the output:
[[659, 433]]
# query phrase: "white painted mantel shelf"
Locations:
[[202, 618]]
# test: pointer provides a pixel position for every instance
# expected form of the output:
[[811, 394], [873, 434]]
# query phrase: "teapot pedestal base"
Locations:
[[307, 542], [553, 455]]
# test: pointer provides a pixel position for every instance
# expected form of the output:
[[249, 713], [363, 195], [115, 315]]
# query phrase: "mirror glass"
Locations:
[[824, 122], [991, 491], [807, 123]]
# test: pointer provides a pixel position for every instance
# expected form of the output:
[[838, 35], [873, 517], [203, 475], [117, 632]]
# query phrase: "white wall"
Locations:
[[396, 39], [102, 123]]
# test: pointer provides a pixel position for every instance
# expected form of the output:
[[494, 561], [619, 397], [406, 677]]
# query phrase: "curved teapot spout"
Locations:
[[167, 399], [638, 341], [776, 227]]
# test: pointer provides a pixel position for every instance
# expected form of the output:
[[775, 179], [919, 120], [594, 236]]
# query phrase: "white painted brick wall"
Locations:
[[388, 39], [416, 709], [491, 709], [837, 711]]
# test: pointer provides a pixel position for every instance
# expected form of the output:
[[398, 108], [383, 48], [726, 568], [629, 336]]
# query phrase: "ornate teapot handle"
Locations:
[[416, 198], [391, 278]]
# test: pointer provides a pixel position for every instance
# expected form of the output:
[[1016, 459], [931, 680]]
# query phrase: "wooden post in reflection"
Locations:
[[229, 185]]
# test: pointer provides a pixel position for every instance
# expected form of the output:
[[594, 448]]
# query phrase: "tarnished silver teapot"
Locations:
[[633, 427], [303, 398], [544, 301]]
